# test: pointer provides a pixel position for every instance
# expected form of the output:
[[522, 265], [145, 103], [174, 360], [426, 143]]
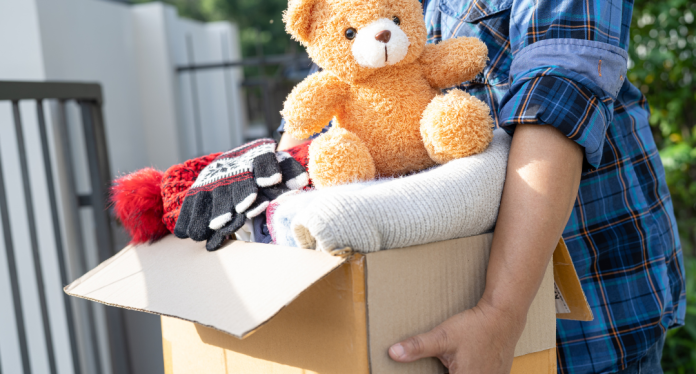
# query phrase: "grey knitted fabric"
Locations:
[[458, 199]]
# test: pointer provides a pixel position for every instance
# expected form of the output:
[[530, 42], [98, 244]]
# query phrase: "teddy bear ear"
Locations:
[[298, 19]]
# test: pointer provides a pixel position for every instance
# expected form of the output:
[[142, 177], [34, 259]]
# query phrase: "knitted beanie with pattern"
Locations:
[[176, 182]]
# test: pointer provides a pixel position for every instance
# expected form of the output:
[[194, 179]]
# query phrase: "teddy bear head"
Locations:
[[353, 39]]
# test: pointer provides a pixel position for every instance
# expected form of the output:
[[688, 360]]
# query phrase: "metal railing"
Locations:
[[88, 97], [271, 101]]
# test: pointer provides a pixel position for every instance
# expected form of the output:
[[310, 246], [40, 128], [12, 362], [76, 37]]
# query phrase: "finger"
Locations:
[[218, 238], [295, 175], [266, 170], [219, 221], [430, 344], [244, 192], [199, 229], [272, 193], [184, 218], [259, 207], [223, 206]]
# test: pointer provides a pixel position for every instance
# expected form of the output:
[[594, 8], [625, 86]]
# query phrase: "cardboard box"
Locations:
[[301, 311]]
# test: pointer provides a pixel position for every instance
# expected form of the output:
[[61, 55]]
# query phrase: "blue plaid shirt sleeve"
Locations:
[[563, 63], [569, 63]]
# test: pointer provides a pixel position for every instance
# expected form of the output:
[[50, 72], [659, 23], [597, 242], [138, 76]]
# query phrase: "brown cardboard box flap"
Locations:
[[571, 302], [412, 290], [249, 281]]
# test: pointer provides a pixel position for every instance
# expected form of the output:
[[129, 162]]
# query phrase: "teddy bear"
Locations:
[[381, 84]]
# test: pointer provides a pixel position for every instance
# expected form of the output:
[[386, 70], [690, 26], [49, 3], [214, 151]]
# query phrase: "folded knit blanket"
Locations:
[[458, 199]]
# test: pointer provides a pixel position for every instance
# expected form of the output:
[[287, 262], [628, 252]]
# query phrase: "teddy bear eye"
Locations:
[[396, 20], [350, 33]]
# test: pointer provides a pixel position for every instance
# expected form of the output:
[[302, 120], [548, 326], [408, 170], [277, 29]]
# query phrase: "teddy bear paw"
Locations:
[[339, 157], [456, 125]]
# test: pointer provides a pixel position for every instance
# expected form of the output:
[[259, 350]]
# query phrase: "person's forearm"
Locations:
[[287, 141], [541, 186]]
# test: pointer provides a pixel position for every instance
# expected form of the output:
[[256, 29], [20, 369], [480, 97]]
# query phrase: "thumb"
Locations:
[[430, 344]]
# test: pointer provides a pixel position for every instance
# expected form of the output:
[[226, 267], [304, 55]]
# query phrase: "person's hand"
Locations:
[[480, 340]]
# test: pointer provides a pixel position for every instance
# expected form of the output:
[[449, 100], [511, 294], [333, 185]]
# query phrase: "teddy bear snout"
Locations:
[[379, 44], [383, 36]]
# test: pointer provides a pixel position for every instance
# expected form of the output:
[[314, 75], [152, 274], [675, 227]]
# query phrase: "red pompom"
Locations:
[[137, 200]]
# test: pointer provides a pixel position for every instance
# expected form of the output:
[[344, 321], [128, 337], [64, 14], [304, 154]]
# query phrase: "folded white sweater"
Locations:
[[458, 199]]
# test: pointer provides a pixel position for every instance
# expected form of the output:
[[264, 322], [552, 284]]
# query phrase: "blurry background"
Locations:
[[190, 77], [662, 65]]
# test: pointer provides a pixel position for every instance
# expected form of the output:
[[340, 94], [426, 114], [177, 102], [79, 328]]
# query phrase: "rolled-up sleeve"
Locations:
[[568, 67]]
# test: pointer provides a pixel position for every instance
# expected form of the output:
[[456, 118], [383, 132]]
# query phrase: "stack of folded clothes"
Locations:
[[458, 199], [454, 200]]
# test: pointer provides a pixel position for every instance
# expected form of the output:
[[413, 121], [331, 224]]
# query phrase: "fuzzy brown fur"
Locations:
[[391, 120]]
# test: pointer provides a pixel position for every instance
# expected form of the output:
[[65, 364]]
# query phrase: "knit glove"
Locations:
[[236, 185], [226, 187], [294, 177]]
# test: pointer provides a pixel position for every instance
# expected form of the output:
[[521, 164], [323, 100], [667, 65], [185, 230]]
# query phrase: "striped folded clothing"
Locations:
[[455, 200]]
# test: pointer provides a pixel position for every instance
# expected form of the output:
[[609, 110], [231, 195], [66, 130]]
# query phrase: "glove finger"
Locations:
[[223, 206], [259, 206], [244, 193], [185, 214], [219, 237], [295, 175], [266, 170], [199, 229], [273, 192]]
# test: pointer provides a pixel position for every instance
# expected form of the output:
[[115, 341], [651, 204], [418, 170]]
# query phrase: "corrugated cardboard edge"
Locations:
[[358, 267], [323, 331], [543, 362], [167, 356], [567, 281], [246, 334], [68, 290], [250, 332]]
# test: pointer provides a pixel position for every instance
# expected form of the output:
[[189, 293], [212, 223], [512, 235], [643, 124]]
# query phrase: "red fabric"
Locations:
[[301, 154], [176, 182], [137, 203]]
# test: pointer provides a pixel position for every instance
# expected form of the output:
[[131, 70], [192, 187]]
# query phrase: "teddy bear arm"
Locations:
[[312, 104], [453, 61]]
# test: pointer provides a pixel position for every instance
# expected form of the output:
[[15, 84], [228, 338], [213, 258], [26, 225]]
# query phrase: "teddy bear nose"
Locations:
[[383, 36]]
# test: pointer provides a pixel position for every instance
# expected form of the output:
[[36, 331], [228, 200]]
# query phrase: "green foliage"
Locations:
[[259, 21], [679, 355], [663, 64], [663, 59]]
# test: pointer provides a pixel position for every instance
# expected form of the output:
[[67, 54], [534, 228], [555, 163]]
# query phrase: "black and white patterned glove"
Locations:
[[295, 177], [227, 191], [227, 186]]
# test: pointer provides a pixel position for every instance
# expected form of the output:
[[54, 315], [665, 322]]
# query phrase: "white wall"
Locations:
[[132, 51], [211, 43]]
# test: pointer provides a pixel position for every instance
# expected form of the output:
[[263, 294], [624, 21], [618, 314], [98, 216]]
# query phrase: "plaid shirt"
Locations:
[[563, 63]]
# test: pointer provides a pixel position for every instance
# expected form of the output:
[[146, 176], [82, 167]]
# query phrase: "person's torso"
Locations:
[[622, 231]]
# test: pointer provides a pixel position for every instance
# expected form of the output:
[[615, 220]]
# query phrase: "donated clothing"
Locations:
[[563, 63], [261, 234], [455, 200]]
